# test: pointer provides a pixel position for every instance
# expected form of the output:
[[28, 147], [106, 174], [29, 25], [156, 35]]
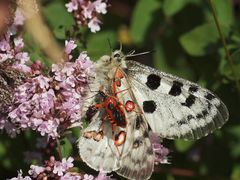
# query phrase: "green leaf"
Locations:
[[234, 130], [224, 10], [235, 150], [183, 146], [178, 66], [98, 44], [235, 175], [58, 18], [226, 69], [66, 147], [201, 40], [3, 150], [171, 7], [7, 163], [142, 19]]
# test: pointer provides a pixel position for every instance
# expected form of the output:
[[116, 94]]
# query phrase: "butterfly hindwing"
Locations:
[[99, 155], [139, 162], [104, 155], [174, 107]]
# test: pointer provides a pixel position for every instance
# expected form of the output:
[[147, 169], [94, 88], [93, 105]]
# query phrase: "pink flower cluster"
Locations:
[[11, 48], [11, 45], [86, 12], [53, 169], [51, 103], [161, 152]]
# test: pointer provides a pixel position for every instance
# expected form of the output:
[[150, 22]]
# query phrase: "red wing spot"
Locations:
[[118, 83], [119, 75], [129, 106]]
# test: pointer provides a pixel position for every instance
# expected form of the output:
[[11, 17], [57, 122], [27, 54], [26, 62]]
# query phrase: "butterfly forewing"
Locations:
[[174, 107]]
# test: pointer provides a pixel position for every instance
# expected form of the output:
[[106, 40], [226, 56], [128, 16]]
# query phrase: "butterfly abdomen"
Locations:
[[115, 112]]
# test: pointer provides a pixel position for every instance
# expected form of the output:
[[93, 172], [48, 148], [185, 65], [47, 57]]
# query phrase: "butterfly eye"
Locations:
[[117, 56]]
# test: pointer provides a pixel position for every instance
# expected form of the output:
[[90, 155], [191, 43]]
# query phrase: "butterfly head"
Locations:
[[117, 58]]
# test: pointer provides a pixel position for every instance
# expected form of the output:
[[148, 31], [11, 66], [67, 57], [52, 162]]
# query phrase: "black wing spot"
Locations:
[[189, 117], [149, 106], [176, 88], [145, 134], [210, 96], [193, 89], [189, 101], [199, 116], [181, 122], [205, 113], [139, 121], [209, 106], [91, 111], [153, 81]]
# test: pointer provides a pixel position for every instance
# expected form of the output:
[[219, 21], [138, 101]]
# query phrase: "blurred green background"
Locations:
[[186, 43]]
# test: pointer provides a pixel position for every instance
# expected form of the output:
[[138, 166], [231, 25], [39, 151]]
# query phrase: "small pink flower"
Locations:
[[35, 170], [88, 10], [4, 45], [69, 176], [67, 163], [5, 56], [43, 81], [69, 46], [58, 169], [22, 67], [18, 43], [94, 25], [68, 68], [49, 127], [88, 177], [101, 7], [20, 177], [72, 6], [23, 57], [103, 176], [161, 153]]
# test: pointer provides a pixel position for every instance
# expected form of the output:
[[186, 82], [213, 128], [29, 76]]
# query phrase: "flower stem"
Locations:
[[229, 58], [59, 149]]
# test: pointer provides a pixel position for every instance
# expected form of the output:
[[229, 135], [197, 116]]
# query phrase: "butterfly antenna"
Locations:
[[139, 54], [131, 52], [120, 47]]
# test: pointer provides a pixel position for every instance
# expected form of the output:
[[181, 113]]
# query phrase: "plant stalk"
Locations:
[[229, 58]]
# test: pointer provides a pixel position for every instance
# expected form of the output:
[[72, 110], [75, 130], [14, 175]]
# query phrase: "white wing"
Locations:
[[175, 107], [98, 154], [104, 155], [139, 162]]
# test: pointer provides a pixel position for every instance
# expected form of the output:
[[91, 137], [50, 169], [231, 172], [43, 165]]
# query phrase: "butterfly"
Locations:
[[170, 106], [10, 78]]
